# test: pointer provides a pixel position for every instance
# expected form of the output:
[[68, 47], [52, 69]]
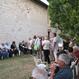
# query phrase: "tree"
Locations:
[[65, 13]]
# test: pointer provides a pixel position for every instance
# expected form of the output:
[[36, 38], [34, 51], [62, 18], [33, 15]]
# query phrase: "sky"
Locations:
[[45, 1]]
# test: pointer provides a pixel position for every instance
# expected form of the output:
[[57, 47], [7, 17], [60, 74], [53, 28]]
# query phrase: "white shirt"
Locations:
[[46, 44]]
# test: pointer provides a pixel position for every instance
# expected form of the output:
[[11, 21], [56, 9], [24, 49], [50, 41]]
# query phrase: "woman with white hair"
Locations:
[[39, 72]]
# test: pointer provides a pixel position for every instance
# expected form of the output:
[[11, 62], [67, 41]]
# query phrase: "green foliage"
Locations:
[[65, 13]]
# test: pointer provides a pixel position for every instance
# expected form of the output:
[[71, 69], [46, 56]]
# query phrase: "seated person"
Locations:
[[5, 53], [23, 47], [14, 49], [7, 47], [0, 53]]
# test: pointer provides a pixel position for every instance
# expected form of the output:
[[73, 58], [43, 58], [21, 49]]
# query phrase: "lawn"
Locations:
[[17, 67]]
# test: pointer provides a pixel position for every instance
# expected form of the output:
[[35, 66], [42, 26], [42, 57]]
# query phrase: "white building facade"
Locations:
[[21, 19]]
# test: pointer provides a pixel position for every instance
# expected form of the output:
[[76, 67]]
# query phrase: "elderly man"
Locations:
[[61, 69]]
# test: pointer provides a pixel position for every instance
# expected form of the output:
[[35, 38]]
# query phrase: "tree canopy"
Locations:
[[65, 13]]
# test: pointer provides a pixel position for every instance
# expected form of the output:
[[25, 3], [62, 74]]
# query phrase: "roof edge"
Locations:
[[45, 2]]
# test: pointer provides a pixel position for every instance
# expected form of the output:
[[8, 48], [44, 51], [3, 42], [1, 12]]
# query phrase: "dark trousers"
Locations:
[[30, 51], [46, 56], [15, 52], [25, 51]]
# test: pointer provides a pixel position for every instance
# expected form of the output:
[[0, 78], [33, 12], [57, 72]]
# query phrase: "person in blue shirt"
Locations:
[[65, 72]]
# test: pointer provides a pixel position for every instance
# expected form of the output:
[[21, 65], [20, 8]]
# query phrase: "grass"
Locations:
[[17, 67]]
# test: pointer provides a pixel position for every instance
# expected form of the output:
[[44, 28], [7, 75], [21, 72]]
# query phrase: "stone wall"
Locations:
[[21, 19]]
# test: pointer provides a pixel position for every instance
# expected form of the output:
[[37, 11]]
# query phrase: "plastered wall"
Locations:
[[21, 19]]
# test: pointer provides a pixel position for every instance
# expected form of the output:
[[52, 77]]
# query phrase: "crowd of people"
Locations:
[[7, 50], [63, 57], [61, 54]]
